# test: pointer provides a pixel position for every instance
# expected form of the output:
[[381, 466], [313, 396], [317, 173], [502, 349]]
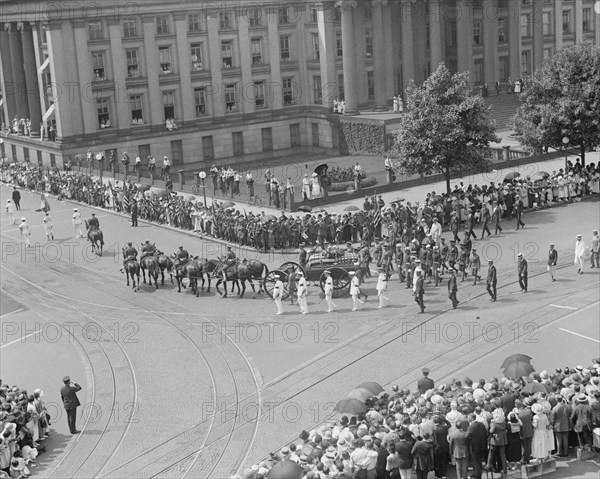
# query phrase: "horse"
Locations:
[[150, 263], [191, 270], [242, 272], [164, 263], [132, 268], [207, 268], [96, 238]]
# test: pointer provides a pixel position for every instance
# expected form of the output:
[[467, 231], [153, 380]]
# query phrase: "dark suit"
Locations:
[[523, 274], [425, 384], [508, 402], [526, 417], [70, 401], [460, 451], [134, 214], [491, 282], [561, 414], [419, 290], [477, 442], [519, 212], [16, 196]]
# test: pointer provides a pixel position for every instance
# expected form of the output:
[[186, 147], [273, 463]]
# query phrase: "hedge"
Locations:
[[360, 138], [345, 185]]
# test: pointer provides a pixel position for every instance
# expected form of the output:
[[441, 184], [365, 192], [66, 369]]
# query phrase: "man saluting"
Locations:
[[68, 394]]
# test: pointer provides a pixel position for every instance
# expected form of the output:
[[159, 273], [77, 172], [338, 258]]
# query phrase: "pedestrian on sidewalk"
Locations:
[[552, 259]]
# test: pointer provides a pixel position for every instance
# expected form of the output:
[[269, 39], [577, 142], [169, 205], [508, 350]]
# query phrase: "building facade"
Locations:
[[205, 82]]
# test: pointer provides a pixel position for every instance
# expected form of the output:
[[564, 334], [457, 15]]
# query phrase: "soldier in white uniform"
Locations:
[[10, 211], [580, 249], [381, 288], [355, 292], [48, 226], [77, 222], [302, 287], [331, 306], [25, 233], [278, 293]]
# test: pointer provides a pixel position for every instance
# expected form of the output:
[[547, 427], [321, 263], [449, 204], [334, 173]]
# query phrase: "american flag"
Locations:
[[377, 217]]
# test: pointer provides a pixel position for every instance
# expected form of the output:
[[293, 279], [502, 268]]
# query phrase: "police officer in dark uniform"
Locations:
[[148, 249], [93, 223], [181, 257], [230, 259], [129, 254], [425, 383]]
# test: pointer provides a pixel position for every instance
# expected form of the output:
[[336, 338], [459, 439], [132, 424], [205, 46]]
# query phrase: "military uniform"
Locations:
[[491, 281], [453, 288]]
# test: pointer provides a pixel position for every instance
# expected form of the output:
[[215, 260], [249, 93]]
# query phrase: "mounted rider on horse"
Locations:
[[181, 257], [229, 260], [129, 254], [148, 249]]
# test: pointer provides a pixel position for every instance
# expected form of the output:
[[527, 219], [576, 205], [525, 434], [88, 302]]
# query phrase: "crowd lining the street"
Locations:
[[25, 424], [486, 425]]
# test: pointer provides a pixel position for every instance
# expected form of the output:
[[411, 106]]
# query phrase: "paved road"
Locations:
[[178, 386]]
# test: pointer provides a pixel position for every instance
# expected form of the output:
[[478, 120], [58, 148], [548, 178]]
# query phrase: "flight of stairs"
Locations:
[[504, 107]]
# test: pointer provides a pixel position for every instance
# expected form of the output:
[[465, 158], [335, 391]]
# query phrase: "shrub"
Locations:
[[345, 185]]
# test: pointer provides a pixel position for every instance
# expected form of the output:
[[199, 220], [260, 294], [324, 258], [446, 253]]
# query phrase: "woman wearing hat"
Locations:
[[498, 439], [541, 445]]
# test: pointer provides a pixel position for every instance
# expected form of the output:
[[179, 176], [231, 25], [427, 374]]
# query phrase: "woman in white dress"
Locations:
[[316, 186], [540, 445]]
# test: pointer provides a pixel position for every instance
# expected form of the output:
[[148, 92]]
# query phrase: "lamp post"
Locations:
[[202, 176], [565, 141]]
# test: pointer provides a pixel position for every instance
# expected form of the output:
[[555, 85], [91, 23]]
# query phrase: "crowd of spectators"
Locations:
[[25, 424], [480, 425]]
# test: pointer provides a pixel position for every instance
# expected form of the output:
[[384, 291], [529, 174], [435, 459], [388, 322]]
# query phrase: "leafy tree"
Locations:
[[562, 99], [447, 130]]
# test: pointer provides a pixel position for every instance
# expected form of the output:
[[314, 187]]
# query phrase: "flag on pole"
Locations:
[[377, 217]]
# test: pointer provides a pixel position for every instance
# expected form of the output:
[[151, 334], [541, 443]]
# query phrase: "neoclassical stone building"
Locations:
[[203, 81]]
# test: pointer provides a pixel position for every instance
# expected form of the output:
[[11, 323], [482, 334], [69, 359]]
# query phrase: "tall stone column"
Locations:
[[596, 16], [491, 64], [327, 54], [246, 91], [408, 44], [349, 54], [579, 20], [464, 35], [514, 38], [379, 55], [122, 118], [537, 19], [16, 59], [215, 95], [436, 54], [7, 75], [31, 83], [558, 29], [152, 71], [184, 65]]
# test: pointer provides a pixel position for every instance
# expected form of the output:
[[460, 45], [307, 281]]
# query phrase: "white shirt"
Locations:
[[579, 249], [329, 285], [24, 227], [10, 208], [301, 287], [354, 286], [436, 231], [47, 221], [278, 289], [381, 283], [77, 218]]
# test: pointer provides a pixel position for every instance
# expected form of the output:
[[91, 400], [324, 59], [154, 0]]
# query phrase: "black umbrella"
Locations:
[[518, 369], [371, 386], [512, 175], [351, 208], [321, 169], [514, 358], [350, 406], [305, 208], [285, 470]]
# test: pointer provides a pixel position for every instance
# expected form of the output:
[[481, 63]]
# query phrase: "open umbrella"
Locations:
[[371, 386], [534, 387], [321, 169], [351, 208], [285, 470], [515, 357], [512, 175], [361, 394], [228, 204], [305, 208], [267, 218], [350, 406], [518, 369], [541, 174]]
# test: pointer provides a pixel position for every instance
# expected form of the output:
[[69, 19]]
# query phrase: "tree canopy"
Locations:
[[447, 129], [562, 99]]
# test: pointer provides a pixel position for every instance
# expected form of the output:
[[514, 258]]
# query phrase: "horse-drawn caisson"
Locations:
[[340, 260]]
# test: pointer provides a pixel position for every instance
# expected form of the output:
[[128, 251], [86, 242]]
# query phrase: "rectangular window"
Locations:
[[256, 49], [314, 14], [315, 134], [169, 105], [369, 43], [588, 25], [547, 53], [176, 152], [478, 76], [196, 56], [451, 33], [566, 21], [164, 58], [133, 66], [370, 85], [162, 25], [338, 45], [295, 135], [525, 63], [194, 22], [317, 90], [230, 98], [427, 35], [477, 33], [98, 66], [238, 143], [129, 28], [340, 86], [254, 17], [259, 94], [144, 151], [208, 150], [103, 113], [95, 30], [316, 53], [43, 31], [52, 158], [225, 21], [284, 48], [288, 90], [200, 101], [267, 139], [525, 26], [227, 54], [285, 15], [502, 37], [26, 154], [503, 68], [547, 23], [137, 117]]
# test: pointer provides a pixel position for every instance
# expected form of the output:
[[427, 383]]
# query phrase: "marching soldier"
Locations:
[[453, 288], [419, 289], [355, 292], [474, 265], [491, 280], [497, 217], [302, 292], [278, 293], [302, 256], [48, 226], [400, 261], [485, 219], [522, 267], [381, 289], [25, 233], [552, 259], [331, 306], [77, 223], [452, 253], [444, 249]]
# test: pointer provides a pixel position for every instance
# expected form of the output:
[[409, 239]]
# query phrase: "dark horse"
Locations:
[[191, 270], [164, 263], [150, 263], [96, 238], [242, 272], [132, 268]]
